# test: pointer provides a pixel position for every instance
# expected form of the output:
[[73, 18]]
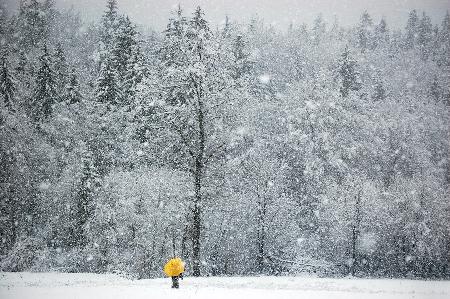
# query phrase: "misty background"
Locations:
[[279, 13]]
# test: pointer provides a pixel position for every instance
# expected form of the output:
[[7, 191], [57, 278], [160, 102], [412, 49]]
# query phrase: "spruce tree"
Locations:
[[444, 41], [22, 63], [60, 68], [445, 29], [45, 94], [174, 53], [319, 29], [34, 21], [379, 94], [134, 75], [424, 36], [125, 41], [171, 52], [129, 59], [349, 76], [7, 83], [110, 24], [242, 63], [84, 206], [108, 90], [435, 90], [381, 33], [3, 20], [365, 34], [227, 28], [72, 93], [411, 29]]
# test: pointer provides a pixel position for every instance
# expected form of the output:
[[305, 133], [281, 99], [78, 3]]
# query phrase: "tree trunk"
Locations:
[[355, 233], [261, 233], [198, 173]]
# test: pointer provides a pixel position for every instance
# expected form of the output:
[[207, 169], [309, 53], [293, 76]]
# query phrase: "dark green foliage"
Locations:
[[365, 32], [61, 70], [348, 74], [412, 29], [72, 93], [436, 91], [84, 207], [108, 89], [7, 83], [110, 24], [242, 63], [34, 22], [424, 36], [45, 94], [379, 92]]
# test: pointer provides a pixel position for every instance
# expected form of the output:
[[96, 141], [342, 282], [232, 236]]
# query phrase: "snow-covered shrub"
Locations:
[[23, 255]]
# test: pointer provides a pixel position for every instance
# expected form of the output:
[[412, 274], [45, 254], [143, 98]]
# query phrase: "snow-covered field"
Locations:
[[68, 286]]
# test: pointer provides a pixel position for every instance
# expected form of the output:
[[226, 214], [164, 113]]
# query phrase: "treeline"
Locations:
[[242, 149]]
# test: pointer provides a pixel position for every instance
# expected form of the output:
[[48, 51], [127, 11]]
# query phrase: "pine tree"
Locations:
[[365, 32], [436, 90], [34, 22], [411, 29], [45, 93], [129, 59], [444, 40], [242, 63], [3, 20], [174, 36], [174, 53], [227, 28], [7, 83], [134, 75], [110, 24], [424, 37], [336, 32], [381, 33], [60, 68], [319, 29], [445, 29], [108, 91], [379, 92], [22, 63], [348, 73], [125, 41], [72, 93], [84, 207], [199, 31]]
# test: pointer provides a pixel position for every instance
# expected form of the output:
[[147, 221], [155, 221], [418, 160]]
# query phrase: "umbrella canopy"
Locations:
[[174, 267]]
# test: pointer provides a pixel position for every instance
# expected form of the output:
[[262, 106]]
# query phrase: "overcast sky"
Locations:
[[280, 13]]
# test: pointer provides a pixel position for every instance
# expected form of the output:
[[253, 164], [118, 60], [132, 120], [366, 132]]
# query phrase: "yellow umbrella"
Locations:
[[174, 267]]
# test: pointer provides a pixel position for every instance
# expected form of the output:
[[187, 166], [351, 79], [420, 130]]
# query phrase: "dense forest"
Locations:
[[242, 148]]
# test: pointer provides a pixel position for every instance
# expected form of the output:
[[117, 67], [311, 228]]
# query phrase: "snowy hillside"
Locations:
[[80, 286]]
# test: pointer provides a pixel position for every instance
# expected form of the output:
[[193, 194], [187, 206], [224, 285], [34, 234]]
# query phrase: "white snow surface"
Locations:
[[80, 286]]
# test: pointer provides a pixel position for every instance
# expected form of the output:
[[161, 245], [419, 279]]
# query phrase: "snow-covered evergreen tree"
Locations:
[[72, 93], [424, 36], [45, 94], [365, 32], [412, 28], [108, 90], [348, 74], [84, 207], [7, 83], [110, 25], [61, 70]]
